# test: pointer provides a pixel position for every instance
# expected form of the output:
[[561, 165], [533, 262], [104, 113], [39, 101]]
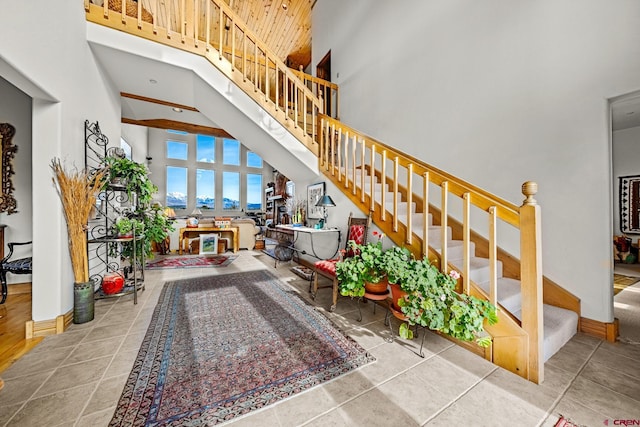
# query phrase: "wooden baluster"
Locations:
[[531, 279], [362, 159], [220, 27], [255, 66], [139, 15], [409, 236], [466, 240], [340, 148], [444, 212], [353, 164], [208, 24], [383, 193], [493, 255], [395, 195], [371, 179], [168, 9], [196, 22], [233, 45], [425, 218], [182, 20], [105, 11]]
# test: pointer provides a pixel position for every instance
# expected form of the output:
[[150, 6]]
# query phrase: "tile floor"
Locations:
[[75, 379]]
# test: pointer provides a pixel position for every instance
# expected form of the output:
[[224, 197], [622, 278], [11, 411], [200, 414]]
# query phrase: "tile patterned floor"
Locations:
[[75, 379]]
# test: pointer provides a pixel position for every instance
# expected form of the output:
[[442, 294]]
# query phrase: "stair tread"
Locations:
[[509, 293]]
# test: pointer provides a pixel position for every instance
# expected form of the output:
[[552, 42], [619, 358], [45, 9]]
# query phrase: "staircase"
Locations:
[[418, 206]]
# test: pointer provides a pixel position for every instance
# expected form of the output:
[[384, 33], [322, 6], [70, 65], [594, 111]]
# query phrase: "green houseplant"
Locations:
[[360, 265], [133, 176], [433, 302]]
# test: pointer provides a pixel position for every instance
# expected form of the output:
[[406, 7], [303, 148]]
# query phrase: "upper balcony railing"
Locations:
[[211, 29]]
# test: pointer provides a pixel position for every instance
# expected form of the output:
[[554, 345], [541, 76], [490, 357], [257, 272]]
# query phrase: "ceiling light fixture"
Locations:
[[284, 6], [177, 110]]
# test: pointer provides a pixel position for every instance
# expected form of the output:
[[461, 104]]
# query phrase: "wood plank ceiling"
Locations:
[[284, 25]]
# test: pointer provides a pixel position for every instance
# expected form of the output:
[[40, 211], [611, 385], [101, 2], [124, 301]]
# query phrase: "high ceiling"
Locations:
[[284, 25]]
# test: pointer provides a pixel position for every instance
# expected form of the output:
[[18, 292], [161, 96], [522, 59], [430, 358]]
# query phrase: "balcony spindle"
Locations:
[[425, 217], [409, 236]]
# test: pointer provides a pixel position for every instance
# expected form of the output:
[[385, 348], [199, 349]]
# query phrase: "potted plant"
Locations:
[[133, 176], [433, 302], [397, 262], [77, 190], [124, 226], [361, 268]]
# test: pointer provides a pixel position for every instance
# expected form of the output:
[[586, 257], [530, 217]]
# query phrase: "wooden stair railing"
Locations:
[[296, 101], [212, 30], [323, 89], [370, 174]]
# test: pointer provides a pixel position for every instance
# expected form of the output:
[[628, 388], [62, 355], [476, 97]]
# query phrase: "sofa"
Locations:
[[247, 231]]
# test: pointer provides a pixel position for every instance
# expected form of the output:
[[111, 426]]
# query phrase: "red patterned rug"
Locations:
[[222, 346], [191, 262]]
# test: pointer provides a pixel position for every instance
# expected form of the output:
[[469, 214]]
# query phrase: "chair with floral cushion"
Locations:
[[357, 230]]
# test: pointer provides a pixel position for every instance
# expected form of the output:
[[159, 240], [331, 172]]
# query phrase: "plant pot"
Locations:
[[112, 284], [83, 302], [396, 294], [376, 288]]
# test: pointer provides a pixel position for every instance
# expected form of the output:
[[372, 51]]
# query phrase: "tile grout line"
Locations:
[[564, 392]]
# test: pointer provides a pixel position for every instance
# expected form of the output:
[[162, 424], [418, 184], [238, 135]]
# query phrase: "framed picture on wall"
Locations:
[[209, 244], [314, 193]]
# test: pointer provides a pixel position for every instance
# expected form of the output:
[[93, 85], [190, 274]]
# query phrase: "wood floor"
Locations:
[[13, 315]]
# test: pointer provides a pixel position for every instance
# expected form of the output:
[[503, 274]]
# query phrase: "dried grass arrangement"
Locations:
[[77, 190]]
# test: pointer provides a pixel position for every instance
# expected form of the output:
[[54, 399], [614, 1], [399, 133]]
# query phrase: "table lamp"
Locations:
[[325, 202]]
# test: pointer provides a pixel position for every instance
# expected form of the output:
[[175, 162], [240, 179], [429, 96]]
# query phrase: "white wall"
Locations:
[[46, 55], [498, 93], [137, 137], [15, 109], [626, 161]]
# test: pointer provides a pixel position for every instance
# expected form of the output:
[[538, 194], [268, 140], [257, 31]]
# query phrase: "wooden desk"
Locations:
[[189, 232]]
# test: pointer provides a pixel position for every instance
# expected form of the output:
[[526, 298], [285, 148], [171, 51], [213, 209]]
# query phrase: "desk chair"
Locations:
[[16, 266], [357, 230]]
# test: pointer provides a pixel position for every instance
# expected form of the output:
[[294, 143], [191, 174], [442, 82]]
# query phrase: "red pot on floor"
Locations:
[[112, 284]]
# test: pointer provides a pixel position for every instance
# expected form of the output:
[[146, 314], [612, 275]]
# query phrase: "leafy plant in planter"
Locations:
[[362, 267], [133, 176], [433, 302], [125, 226]]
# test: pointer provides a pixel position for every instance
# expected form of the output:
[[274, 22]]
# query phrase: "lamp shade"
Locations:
[[196, 212], [325, 201]]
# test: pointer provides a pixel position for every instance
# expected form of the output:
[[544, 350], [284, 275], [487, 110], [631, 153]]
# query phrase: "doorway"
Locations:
[[323, 71]]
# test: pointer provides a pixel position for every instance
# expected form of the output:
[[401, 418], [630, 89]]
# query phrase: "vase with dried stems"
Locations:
[[78, 190]]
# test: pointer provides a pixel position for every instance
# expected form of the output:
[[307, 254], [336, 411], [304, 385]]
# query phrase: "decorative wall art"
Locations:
[[629, 195], [314, 193], [7, 201], [209, 244]]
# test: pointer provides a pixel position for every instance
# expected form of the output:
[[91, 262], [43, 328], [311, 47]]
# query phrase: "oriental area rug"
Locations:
[[191, 262], [222, 346]]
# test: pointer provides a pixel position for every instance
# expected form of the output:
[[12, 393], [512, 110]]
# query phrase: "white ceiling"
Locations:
[[625, 112]]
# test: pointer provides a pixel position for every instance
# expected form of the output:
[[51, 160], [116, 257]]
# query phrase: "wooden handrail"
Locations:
[[345, 155]]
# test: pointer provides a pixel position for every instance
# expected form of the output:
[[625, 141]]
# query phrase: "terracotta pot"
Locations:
[[376, 288], [396, 294]]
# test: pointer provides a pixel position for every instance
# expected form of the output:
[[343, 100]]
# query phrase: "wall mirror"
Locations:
[[7, 201]]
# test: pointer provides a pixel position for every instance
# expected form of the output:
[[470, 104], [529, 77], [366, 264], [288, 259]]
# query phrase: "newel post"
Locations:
[[531, 279]]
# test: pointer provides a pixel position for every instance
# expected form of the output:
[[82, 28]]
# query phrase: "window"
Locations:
[[231, 152], [231, 191], [178, 132], [205, 189], [254, 192], [253, 160], [126, 147], [205, 148], [177, 150], [176, 187]]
